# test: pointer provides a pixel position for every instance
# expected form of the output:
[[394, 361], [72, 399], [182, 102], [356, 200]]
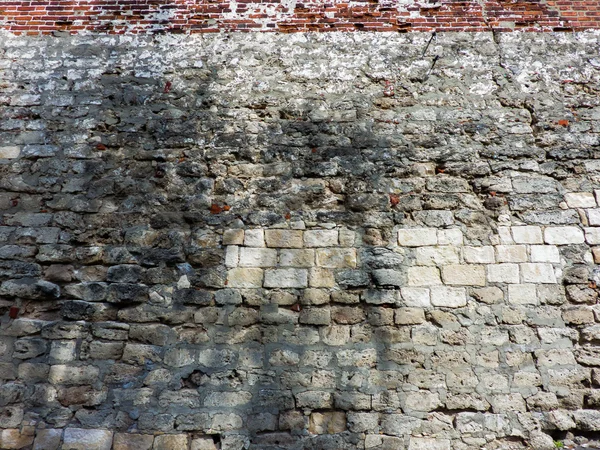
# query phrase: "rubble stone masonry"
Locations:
[[299, 241]]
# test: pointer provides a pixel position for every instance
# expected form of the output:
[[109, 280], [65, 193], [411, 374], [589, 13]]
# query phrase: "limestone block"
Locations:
[[409, 316], [314, 400], [347, 237], [357, 358], [170, 442], [63, 374], [592, 235], [451, 236], [321, 238], [511, 253], [448, 297], [12, 438], [432, 256], [286, 278], [84, 439], [464, 274], [479, 255], [429, 444], [503, 273], [227, 399], [505, 236], [297, 258], [233, 237], [544, 253], [245, 278], [315, 316], [538, 273], [578, 315], [49, 439], [502, 403], [336, 258], [416, 297], [284, 238], [232, 256], [563, 235], [203, 444], [9, 152], [580, 200], [423, 276], [422, 401], [257, 257], [522, 294], [130, 441], [594, 217], [254, 238], [321, 278], [417, 237], [327, 422]]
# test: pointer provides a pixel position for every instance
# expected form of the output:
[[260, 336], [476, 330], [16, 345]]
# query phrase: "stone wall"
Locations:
[[305, 241]]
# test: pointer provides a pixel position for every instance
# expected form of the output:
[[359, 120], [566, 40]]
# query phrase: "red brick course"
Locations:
[[208, 16]]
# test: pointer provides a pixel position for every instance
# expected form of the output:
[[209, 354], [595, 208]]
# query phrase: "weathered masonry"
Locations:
[[318, 241]]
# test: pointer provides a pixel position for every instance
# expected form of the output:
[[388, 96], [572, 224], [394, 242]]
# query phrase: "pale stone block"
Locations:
[[479, 255], [347, 237], [321, 238], [580, 200], [286, 278], [284, 238], [131, 441], [451, 236], [257, 257], [592, 236], [429, 444], [505, 235], [321, 278], [62, 374], [511, 253], [85, 439], [529, 234], [423, 276], [593, 217], [464, 274], [245, 278], [409, 316], [233, 237], [544, 253], [432, 256], [503, 273], [12, 438], [232, 256], [563, 235], [448, 297], [416, 297], [254, 238], [9, 152], [522, 294], [538, 273], [297, 257], [63, 351], [336, 258], [171, 442], [417, 237]]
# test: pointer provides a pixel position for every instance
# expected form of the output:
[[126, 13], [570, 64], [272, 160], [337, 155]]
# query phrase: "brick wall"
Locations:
[[206, 16]]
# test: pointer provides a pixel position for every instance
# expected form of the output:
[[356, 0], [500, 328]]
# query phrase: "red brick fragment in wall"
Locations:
[[209, 16]]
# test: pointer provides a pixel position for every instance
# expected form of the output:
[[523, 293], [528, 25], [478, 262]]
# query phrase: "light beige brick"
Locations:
[[321, 238], [448, 297], [423, 276], [297, 257], [580, 200], [529, 234], [522, 294], [511, 253], [538, 273], [503, 273], [409, 316], [286, 278], [505, 236], [451, 236], [479, 255], [432, 256], [245, 278], [233, 237], [9, 152], [284, 238], [417, 237], [336, 258], [416, 297], [319, 277], [254, 238], [592, 235], [544, 253], [563, 235], [257, 257], [464, 274]]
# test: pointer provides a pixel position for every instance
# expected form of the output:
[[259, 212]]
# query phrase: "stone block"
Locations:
[[544, 253], [315, 316], [580, 200], [336, 258], [321, 238], [232, 256], [479, 255], [63, 374], [85, 439], [297, 258], [592, 235], [417, 237], [389, 277], [436, 256], [448, 297], [503, 273], [417, 443], [245, 278], [538, 273], [522, 294], [62, 351], [424, 276], [578, 315], [450, 236], [9, 152], [130, 441], [286, 278], [254, 238], [416, 297], [171, 442], [464, 274], [233, 237], [13, 439], [49, 439], [564, 235], [409, 316], [422, 401], [528, 234], [314, 400], [284, 238], [511, 253], [594, 217], [257, 257], [202, 443]]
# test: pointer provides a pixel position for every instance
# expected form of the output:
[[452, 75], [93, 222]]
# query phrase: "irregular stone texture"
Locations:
[[255, 242]]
